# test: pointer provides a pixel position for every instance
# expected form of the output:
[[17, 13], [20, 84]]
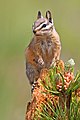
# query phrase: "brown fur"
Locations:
[[41, 53]]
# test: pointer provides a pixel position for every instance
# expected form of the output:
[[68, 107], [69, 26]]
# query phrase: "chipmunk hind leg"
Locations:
[[31, 73]]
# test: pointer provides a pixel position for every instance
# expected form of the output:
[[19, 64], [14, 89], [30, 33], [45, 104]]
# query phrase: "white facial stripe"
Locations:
[[40, 26], [48, 27]]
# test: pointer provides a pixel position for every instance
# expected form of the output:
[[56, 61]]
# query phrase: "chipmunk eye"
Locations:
[[44, 25]]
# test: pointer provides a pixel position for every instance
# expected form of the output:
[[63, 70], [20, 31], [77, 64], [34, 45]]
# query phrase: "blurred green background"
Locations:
[[16, 19]]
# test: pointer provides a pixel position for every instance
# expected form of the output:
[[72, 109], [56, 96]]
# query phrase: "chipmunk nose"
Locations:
[[34, 31]]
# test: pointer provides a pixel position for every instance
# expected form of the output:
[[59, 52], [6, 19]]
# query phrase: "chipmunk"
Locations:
[[45, 47]]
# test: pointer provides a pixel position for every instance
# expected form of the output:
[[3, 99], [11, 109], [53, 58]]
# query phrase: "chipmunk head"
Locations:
[[43, 25]]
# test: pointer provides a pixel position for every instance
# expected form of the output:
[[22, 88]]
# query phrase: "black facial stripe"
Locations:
[[44, 25], [48, 28], [38, 24]]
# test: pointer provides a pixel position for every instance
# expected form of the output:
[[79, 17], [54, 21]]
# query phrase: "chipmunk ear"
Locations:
[[49, 17], [39, 15]]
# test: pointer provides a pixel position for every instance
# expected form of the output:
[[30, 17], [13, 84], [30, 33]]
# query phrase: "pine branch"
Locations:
[[56, 95]]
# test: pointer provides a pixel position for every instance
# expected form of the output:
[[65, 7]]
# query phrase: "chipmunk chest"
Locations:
[[46, 47]]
